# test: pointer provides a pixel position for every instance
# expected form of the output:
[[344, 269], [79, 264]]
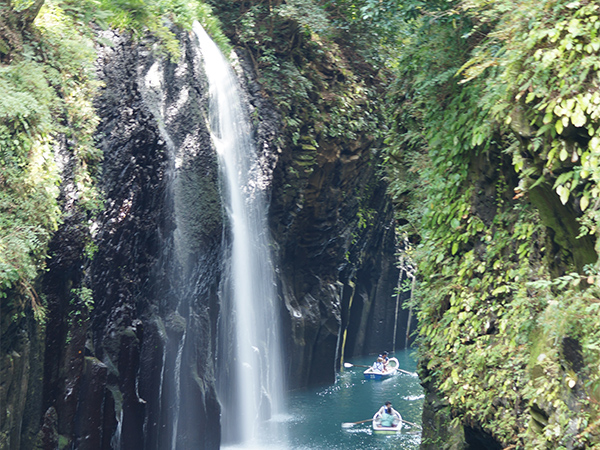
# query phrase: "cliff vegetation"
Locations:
[[48, 80], [493, 158]]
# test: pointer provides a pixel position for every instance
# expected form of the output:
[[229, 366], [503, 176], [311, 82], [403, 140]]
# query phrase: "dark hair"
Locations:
[[388, 403]]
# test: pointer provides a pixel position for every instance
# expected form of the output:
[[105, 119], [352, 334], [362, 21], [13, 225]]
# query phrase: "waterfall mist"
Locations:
[[250, 376]]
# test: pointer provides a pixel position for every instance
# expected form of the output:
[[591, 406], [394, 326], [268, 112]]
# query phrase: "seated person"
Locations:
[[385, 358], [378, 365], [387, 415]]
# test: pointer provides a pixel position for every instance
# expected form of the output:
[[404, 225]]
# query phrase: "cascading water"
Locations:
[[250, 378]]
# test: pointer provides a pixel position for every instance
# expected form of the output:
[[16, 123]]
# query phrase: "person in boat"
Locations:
[[378, 365], [385, 359], [387, 415]]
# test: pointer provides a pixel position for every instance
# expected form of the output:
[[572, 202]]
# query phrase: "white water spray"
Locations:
[[177, 391], [254, 367]]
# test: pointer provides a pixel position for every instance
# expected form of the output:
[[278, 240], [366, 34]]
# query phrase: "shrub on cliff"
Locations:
[[48, 82], [496, 118]]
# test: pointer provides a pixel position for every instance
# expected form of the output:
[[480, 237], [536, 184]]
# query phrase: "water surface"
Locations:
[[315, 417]]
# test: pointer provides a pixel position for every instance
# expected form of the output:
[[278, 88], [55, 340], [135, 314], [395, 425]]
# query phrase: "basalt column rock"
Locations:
[[67, 319], [373, 319], [334, 240], [156, 271], [21, 359], [337, 275]]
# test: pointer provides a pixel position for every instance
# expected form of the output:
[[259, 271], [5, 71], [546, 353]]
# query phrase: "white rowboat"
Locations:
[[392, 369], [380, 429]]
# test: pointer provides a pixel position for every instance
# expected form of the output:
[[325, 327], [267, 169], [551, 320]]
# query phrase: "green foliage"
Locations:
[[141, 16], [314, 83], [548, 73], [47, 93], [493, 99], [81, 305], [306, 14], [374, 27]]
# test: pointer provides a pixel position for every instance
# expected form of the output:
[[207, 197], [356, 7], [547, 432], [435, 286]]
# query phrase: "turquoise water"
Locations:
[[316, 415]]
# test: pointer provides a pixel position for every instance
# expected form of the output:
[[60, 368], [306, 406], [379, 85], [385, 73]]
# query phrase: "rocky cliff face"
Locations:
[[336, 287], [331, 219], [114, 381], [134, 326]]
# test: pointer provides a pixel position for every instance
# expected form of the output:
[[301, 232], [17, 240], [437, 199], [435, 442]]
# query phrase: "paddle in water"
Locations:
[[413, 424], [351, 424]]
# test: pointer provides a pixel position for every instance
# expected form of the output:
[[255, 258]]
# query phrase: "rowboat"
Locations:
[[373, 374], [380, 429]]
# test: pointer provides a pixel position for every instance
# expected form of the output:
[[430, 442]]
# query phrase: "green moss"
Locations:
[[491, 110], [63, 442]]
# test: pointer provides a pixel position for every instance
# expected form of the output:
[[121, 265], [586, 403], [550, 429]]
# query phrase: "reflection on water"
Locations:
[[315, 416]]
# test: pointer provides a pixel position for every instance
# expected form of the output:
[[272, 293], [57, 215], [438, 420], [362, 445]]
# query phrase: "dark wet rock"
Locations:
[[438, 430], [21, 369], [89, 422], [49, 431], [13, 392], [573, 353], [163, 221]]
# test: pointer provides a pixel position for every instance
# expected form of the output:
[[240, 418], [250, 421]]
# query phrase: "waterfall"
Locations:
[[177, 379], [250, 376]]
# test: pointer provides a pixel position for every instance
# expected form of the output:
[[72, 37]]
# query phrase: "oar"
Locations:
[[410, 423], [351, 424], [406, 372], [348, 365]]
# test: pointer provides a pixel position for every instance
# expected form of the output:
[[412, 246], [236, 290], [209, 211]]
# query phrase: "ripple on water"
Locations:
[[318, 414]]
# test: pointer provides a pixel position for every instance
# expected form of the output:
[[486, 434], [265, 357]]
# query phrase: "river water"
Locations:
[[315, 416]]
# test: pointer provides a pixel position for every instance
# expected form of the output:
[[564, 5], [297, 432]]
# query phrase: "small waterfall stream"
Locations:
[[250, 378], [177, 379]]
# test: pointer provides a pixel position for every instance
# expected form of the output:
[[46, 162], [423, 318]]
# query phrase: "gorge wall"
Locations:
[[495, 139], [110, 379], [132, 296], [329, 206]]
